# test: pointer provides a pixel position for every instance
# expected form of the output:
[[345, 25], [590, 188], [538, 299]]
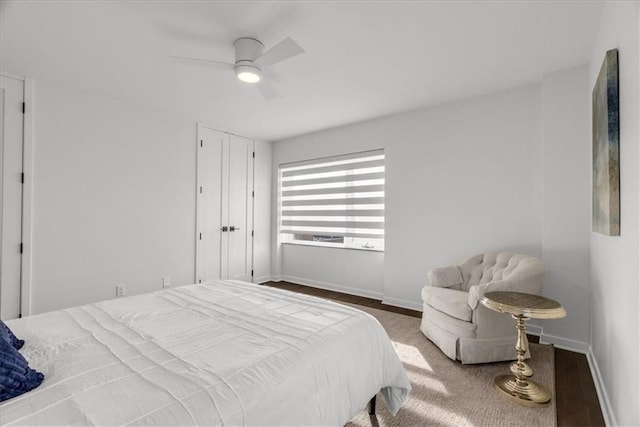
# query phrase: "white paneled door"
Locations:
[[224, 241], [11, 143]]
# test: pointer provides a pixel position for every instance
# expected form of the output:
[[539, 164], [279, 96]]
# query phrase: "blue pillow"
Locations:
[[7, 335], [16, 377]]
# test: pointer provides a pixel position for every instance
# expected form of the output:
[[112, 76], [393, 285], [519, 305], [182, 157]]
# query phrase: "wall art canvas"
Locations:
[[606, 149]]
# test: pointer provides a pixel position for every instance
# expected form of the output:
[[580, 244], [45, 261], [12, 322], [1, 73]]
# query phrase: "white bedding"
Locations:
[[228, 353]]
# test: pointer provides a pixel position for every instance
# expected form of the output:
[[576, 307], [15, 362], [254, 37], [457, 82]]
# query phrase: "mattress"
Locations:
[[220, 353]]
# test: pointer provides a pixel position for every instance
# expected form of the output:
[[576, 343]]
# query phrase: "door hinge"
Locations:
[[200, 143], [22, 178], [201, 189], [251, 233], [251, 273], [200, 236], [24, 108], [21, 247], [199, 280], [254, 154], [253, 193]]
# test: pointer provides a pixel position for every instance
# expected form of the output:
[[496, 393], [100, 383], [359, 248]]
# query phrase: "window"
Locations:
[[334, 201]]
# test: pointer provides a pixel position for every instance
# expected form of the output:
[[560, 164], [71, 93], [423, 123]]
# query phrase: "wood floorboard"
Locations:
[[576, 397], [339, 296]]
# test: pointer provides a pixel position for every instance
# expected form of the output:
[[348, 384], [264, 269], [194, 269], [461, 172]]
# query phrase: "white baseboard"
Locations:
[[411, 305], [331, 287], [534, 329], [603, 397], [564, 343]]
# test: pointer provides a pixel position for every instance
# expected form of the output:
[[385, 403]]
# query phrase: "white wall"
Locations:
[[566, 216], [461, 178], [114, 198], [615, 302], [345, 270]]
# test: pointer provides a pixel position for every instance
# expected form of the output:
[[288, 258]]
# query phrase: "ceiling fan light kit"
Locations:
[[248, 73]]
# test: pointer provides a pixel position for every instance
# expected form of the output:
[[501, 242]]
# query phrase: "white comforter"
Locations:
[[228, 353]]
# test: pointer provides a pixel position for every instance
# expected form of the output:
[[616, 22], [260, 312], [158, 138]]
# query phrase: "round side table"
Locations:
[[519, 387]]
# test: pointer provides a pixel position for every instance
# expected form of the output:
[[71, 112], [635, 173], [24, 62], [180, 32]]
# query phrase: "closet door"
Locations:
[[224, 241], [237, 260], [209, 203], [11, 143]]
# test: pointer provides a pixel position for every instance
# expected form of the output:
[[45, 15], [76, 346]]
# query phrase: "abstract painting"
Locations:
[[606, 149]]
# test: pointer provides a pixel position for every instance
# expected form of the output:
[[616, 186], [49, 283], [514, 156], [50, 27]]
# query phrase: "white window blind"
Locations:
[[337, 201]]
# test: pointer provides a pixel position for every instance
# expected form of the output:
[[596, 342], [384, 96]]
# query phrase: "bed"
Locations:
[[220, 353]]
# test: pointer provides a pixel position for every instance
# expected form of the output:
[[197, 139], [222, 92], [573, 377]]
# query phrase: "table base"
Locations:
[[527, 393]]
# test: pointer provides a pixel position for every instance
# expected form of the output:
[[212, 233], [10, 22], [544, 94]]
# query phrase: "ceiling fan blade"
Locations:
[[286, 49], [201, 62], [268, 91]]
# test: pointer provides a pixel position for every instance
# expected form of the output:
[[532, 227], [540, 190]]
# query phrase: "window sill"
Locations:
[[332, 245]]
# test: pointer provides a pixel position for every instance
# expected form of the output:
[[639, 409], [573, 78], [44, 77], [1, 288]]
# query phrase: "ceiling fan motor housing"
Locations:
[[247, 50]]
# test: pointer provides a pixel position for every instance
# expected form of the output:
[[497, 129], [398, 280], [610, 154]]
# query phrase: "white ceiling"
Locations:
[[363, 59]]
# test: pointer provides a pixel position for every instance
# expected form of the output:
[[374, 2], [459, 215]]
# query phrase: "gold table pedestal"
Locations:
[[518, 387], [528, 394]]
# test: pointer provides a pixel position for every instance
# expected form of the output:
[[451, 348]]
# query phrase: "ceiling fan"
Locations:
[[251, 61]]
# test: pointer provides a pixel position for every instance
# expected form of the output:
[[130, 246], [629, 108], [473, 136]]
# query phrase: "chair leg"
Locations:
[[372, 406]]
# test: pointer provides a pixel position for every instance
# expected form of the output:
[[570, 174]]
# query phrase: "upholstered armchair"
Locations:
[[453, 317]]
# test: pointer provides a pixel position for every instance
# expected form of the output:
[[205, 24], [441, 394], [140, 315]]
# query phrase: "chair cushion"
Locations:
[[449, 301], [454, 326]]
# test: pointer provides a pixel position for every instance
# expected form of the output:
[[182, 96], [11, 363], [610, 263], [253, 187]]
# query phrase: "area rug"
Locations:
[[447, 393]]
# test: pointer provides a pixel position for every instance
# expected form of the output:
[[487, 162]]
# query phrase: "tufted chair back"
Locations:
[[495, 266]]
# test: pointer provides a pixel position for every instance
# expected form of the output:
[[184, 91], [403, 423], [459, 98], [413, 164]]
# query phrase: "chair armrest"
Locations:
[[476, 292], [445, 277]]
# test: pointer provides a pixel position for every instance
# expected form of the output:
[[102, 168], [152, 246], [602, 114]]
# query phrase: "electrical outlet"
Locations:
[[166, 282], [121, 290]]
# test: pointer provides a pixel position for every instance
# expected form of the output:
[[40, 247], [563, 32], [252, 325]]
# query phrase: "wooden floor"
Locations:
[[576, 398]]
